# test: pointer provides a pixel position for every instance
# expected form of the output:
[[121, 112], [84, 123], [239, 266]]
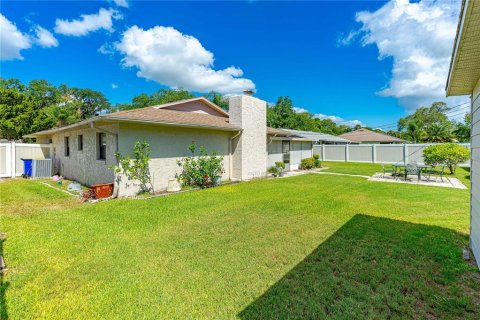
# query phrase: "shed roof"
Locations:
[[365, 135], [464, 71]]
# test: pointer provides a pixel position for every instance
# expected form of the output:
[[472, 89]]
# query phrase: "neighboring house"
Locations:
[[367, 136], [319, 137], [84, 151], [464, 79]]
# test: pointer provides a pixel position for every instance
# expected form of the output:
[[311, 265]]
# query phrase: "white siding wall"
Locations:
[[475, 175]]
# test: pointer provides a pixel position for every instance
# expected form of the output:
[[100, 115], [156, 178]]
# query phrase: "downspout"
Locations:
[[92, 126], [230, 149]]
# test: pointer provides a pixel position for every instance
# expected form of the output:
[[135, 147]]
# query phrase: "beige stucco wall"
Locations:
[[168, 145], [83, 166], [250, 148], [475, 175]]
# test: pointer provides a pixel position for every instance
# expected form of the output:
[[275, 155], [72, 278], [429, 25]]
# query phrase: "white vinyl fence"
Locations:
[[11, 154], [373, 153]]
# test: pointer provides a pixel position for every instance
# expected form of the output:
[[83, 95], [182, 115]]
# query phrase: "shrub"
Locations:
[[280, 165], [307, 163], [316, 156], [450, 154], [136, 169], [200, 170], [274, 170]]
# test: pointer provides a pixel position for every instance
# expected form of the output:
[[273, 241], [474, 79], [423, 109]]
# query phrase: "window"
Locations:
[[102, 146], [67, 146], [80, 142]]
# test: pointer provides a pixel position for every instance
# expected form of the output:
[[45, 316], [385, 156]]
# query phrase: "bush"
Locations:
[[200, 170], [280, 165], [316, 156], [450, 154], [307, 163], [274, 170]]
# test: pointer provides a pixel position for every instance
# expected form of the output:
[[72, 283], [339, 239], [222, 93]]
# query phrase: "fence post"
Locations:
[[405, 153], [13, 158], [323, 152], [374, 153], [347, 155]]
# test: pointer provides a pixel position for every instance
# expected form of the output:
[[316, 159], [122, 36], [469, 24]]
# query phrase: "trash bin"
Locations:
[[27, 167]]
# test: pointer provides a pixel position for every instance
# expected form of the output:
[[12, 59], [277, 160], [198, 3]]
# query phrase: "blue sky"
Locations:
[[367, 61]]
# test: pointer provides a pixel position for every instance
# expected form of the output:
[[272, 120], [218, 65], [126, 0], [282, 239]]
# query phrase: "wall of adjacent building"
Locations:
[[83, 165], [168, 145], [475, 175]]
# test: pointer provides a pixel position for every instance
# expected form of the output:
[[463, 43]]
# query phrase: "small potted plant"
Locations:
[[280, 168]]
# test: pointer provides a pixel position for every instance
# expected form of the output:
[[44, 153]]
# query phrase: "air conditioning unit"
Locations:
[[42, 168]]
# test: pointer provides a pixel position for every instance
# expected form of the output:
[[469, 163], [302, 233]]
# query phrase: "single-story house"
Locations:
[[367, 136], [319, 137], [85, 151], [464, 79]]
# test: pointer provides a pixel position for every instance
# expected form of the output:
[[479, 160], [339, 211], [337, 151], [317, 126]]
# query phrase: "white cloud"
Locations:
[[12, 40], [88, 23], [300, 110], [338, 120], [45, 38], [114, 86], [121, 3], [419, 37], [167, 56]]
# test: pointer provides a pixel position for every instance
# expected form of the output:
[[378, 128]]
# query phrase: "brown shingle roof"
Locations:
[[152, 114], [365, 135]]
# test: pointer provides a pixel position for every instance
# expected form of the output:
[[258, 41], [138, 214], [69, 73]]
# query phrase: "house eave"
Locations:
[[462, 77]]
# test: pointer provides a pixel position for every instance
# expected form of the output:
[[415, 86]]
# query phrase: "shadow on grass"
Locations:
[[3, 289], [377, 268]]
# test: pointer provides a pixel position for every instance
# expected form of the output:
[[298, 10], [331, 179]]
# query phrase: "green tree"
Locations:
[[450, 154], [415, 131], [438, 132], [462, 130], [425, 116], [161, 96], [218, 99]]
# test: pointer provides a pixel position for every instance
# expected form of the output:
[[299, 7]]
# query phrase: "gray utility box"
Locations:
[[41, 168]]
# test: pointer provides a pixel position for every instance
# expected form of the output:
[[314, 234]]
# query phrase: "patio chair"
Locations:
[[439, 172], [412, 170], [385, 170]]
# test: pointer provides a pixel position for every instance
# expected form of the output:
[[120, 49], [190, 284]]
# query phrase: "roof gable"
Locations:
[[196, 105]]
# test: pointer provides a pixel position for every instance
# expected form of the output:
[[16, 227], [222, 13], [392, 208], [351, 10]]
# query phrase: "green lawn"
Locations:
[[311, 246], [368, 169]]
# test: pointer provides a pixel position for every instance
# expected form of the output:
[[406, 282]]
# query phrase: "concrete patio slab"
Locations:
[[433, 182]]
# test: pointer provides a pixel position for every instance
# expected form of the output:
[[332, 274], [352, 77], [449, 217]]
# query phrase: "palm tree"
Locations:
[[438, 132], [414, 131]]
